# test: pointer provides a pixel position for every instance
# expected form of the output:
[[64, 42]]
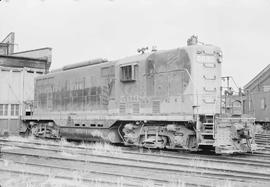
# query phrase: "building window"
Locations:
[[128, 73], [3, 109], [14, 111]]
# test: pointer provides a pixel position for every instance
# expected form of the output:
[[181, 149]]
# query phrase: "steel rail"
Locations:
[[259, 159], [212, 172], [69, 177], [206, 174]]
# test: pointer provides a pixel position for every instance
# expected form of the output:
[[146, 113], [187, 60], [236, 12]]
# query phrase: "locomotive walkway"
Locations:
[[134, 168]]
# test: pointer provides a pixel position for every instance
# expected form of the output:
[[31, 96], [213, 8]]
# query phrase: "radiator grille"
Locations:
[[136, 108], [156, 107], [122, 108]]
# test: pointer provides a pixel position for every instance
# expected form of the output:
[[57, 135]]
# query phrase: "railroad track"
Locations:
[[249, 159], [59, 163], [61, 173], [254, 158], [215, 167]]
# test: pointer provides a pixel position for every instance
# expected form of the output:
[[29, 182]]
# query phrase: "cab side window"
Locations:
[[127, 73]]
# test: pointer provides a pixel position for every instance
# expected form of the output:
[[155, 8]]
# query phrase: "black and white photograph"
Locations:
[[134, 93]]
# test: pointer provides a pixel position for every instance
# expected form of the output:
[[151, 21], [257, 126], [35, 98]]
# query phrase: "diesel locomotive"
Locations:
[[160, 99]]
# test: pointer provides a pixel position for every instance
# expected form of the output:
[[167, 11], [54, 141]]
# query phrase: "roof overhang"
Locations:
[[265, 70]]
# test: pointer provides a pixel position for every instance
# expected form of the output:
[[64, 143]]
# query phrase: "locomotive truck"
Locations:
[[160, 99]]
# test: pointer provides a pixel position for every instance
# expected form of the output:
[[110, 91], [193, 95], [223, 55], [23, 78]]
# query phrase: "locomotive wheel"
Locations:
[[34, 130], [44, 131], [153, 141]]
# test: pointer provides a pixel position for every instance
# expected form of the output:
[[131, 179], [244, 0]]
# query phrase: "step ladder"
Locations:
[[207, 132]]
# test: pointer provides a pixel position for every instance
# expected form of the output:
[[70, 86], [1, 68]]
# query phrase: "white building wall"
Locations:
[[16, 86]]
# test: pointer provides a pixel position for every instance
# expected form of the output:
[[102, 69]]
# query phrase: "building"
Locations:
[[258, 96], [17, 73]]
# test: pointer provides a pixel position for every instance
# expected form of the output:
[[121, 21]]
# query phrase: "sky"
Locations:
[[80, 30]]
